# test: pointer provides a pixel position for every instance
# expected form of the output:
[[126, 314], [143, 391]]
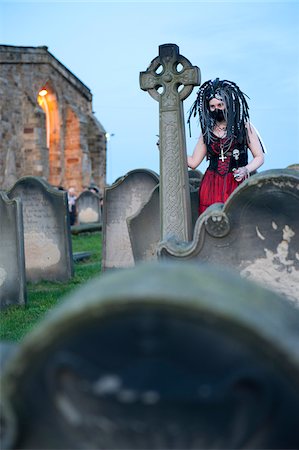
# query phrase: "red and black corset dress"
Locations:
[[218, 182]]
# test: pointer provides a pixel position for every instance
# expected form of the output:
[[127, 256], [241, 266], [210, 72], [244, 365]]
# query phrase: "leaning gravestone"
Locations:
[[255, 232], [12, 259], [166, 356], [88, 208], [122, 200], [47, 239]]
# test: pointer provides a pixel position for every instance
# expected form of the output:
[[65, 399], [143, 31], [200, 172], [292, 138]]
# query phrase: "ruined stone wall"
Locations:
[[73, 150]]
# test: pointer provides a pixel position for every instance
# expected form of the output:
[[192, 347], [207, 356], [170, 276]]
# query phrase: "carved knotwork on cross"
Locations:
[[170, 79]]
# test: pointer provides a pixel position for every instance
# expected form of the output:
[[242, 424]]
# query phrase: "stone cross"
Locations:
[[170, 79]]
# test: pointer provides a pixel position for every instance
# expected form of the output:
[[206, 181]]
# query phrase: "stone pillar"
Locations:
[[170, 79]]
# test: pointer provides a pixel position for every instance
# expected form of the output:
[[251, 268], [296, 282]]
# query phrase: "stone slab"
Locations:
[[122, 200], [47, 237], [12, 258]]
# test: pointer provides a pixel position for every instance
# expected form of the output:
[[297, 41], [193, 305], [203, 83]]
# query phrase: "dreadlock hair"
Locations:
[[236, 112]]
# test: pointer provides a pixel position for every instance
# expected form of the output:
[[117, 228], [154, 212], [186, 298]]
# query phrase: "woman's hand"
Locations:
[[241, 174]]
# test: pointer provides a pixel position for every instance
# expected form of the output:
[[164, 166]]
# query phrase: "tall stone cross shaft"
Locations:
[[170, 79]]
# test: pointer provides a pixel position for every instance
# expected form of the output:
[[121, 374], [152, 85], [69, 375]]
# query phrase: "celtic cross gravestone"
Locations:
[[170, 79]]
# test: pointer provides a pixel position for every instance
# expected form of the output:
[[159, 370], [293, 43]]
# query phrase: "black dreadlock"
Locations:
[[236, 113]]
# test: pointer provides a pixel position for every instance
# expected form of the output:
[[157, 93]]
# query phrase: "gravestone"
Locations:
[[170, 79], [47, 238], [255, 232], [88, 208], [144, 227], [12, 259], [122, 200], [166, 356]]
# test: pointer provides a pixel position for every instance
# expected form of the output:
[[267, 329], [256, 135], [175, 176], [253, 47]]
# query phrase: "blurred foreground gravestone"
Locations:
[[12, 259], [88, 208], [47, 238], [122, 200], [165, 355]]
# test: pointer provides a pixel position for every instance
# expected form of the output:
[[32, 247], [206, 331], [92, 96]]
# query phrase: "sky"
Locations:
[[107, 44]]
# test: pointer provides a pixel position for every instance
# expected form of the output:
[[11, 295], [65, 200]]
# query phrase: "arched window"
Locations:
[[43, 99], [47, 100]]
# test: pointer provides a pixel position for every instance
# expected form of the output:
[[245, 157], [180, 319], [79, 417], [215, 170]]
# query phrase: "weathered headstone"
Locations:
[[12, 259], [47, 238], [160, 356], [122, 200], [173, 75], [144, 227], [88, 207], [255, 232]]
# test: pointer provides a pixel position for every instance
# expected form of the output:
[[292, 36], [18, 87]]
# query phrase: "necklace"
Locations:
[[222, 153], [224, 145], [221, 129]]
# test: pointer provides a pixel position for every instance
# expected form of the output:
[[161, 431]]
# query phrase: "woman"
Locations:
[[226, 137]]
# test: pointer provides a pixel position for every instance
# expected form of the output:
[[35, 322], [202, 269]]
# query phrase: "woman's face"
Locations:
[[216, 104], [217, 108]]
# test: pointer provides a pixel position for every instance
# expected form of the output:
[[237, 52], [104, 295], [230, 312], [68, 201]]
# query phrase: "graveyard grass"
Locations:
[[15, 322]]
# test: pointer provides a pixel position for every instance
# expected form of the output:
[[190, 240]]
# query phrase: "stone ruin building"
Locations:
[[48, 128]]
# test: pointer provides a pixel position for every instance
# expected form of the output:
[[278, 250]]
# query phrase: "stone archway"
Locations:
[[47, 99]]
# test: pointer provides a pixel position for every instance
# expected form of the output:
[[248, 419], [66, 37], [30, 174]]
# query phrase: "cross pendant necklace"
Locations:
[[222, 157]]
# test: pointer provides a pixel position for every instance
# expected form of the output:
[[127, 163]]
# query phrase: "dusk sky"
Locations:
[[107, 44]]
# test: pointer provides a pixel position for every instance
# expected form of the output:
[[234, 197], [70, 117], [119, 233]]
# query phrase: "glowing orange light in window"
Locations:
[[43, 102], [43, 92]]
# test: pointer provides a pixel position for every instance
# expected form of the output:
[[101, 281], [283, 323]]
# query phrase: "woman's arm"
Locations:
[[198, 154], [256, 149]]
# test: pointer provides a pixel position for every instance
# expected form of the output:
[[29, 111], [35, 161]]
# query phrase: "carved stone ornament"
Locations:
[[217, 224]]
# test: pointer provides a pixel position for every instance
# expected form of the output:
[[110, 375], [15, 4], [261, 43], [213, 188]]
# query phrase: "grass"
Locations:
[[15, 322]]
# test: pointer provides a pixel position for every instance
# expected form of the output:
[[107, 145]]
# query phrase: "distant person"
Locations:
[[226, 136], [94, 189], [71, 196]]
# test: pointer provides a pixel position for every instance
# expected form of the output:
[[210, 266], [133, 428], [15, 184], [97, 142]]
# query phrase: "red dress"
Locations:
[[218, 181]]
